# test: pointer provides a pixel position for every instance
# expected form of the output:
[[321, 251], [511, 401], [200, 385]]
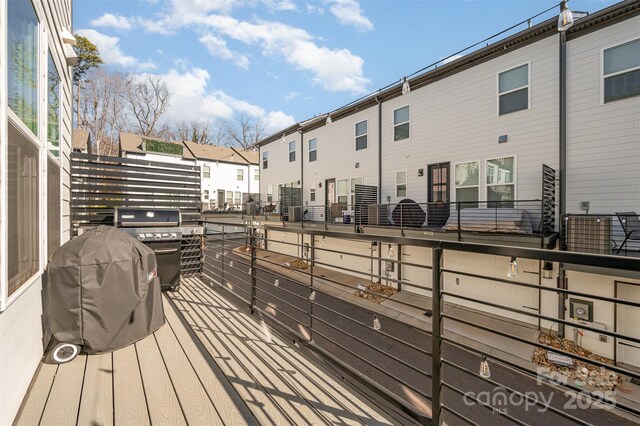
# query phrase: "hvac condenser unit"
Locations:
[[589, 234]]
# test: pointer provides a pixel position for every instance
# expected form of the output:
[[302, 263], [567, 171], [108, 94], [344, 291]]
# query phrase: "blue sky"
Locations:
[[283, 61]]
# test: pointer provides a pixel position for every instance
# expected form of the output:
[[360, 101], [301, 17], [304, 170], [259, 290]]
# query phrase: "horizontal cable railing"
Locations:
[[434, 326]]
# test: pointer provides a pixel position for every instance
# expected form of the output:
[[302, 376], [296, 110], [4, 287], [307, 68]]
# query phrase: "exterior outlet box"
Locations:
[[581, 309]]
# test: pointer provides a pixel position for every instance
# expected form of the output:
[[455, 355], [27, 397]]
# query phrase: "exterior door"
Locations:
[[438, 195], [220, 198], [628, 323], [330, 196]]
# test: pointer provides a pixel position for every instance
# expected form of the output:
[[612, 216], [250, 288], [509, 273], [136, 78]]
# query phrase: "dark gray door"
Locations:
[[438, 195]]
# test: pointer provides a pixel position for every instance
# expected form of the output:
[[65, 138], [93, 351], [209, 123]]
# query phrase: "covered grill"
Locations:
[[102, 292]]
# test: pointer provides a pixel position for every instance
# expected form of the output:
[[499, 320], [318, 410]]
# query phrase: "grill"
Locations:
[[160, 230]]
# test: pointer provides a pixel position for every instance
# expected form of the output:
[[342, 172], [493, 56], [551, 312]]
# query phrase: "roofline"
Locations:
[[618, 12], [245, 158]]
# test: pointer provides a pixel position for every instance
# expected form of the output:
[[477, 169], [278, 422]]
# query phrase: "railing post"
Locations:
[[459, 225], [436, 333], [222, 259], [401, 222], [312, 259], [252, 240]]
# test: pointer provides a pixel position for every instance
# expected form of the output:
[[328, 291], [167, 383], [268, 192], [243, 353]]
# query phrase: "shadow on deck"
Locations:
[[209, 364]]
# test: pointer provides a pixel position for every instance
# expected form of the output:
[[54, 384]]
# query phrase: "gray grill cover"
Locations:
[[99, 293]]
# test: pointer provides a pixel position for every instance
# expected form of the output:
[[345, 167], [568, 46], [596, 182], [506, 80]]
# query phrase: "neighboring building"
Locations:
[[81, 141], [479, 128], [230, 176], [35, 144]]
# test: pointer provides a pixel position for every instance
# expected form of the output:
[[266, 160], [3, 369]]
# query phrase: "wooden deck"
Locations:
[[210, 364]]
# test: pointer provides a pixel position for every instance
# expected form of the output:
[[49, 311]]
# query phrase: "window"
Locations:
[[621, 71], [341, 191], [256, 174], [500, 181], [229, 199], [206, 194], [22, 56], [467, 177], [270, 193], [237, 198], [53, 107], [206, 172], [354, 182], [361, 135], [401, 184], [23, 206], [313, 149], [265, 159], [292, 151], [240, 174], [401, 123], [312, 192], [53, 207], [513, 89]]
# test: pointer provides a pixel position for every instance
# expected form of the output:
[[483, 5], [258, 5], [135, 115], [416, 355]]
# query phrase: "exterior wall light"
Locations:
[[283, 140], [547, 270], [406, 89], [512, 271], [565, 19], [376, 323], [329, 121], [312, 296], [485, 372]]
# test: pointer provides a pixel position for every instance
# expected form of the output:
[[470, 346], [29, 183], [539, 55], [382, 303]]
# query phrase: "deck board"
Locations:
[[130, 403], [31, 411], [63, 402], [230, 407], [210, 363], [96, 403]]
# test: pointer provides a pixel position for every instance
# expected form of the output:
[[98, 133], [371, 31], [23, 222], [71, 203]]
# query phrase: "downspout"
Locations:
[[562, 137], [301, 177], [379, 180]]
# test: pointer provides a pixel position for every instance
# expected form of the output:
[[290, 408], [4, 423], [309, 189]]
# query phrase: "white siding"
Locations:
[[603, 140], [224, 176], [280, 169], [21, 346]]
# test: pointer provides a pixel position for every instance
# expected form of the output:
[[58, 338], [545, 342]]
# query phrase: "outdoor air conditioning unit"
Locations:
[[589, 234]]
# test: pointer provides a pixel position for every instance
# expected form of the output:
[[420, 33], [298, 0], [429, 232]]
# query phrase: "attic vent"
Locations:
[[150, 145]]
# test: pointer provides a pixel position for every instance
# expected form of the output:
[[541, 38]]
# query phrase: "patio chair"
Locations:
[[630, 222]]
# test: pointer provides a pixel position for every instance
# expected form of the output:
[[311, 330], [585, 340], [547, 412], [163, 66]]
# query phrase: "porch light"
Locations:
[[329, 121], [312, 296], [390, 253], [283, 140], [565, 19], [376, 323], [512, 272], [405, 86], [547, 271], [485, 372]]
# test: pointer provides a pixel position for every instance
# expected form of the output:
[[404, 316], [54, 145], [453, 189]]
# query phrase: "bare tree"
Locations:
[[245, 133], [147, 100], [202, 132]]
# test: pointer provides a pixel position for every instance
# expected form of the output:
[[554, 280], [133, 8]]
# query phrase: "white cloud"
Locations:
[[333, 69], [190, 98], [280, 6], [116, 22], [312, 8], [218, 48], [111, 53], [291, 95], [349, 12]]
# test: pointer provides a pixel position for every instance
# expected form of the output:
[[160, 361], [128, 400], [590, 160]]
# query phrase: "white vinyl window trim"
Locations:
[[313, 148], [506, 92], [401, 123], [480, 179], [240, 174], [206, 172], [604, 76], [342, 190], [514, 177], [292, 151], [363, 136]]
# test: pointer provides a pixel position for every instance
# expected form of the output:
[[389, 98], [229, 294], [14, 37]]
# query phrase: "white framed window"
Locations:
[[269, 193], [237, 198], [256, 174], [467, 181], [313, 149], [206, 172], [352, 189], [501, 182], [621, 71], [229, 198], [240, 174], [361, 135], [292, 151], [401, 123], [513, 89], [341, 191], [53, 107], [401, 183], [206, 194], [312, 192], [265, 160]]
